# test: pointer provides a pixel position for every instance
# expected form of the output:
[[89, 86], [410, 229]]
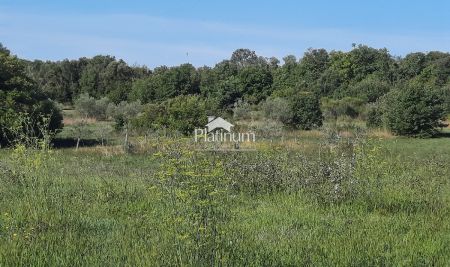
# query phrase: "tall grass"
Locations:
[[330, 201]]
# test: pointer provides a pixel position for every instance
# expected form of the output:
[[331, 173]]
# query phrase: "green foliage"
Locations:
[[185, 113], [145, 89], [445, 92], [199, 204], [20, 98], [306, 113], [374, 116], [412, 65], [225, 93], [167, 83], [241, 110], [244, 58], [313, 64], [105, 76], [99, 77], [347, 107], [357, 200], [93, 108], [124, 113], [59, 80], [182, 114], [278, 109], [256, 83], [369, 89], [414, 111], [362, 73]]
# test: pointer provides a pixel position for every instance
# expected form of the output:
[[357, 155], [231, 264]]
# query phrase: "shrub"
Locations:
[[369, 89], [374, 116], [21, 101], [182, 114], [88, 106], [445, 91], [348, 106], [241, 110], [277, 109], [185, 113], [306, 113], [414, 111], [124, 112]]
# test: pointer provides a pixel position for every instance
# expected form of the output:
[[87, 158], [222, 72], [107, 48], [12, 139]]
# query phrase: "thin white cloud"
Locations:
[[155, 41]]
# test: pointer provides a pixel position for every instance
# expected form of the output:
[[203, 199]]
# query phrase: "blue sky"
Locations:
[[204, 32]]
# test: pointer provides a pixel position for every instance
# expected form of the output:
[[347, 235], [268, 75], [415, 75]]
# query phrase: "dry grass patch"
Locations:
[[72, 121]]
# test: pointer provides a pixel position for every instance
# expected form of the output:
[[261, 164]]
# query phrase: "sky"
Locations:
[[204, 32]]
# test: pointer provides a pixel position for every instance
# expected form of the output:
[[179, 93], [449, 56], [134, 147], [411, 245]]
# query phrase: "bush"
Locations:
[[374, 116], [414, 111], [306, 113], [24, 109], [277, 109], [348, 106], [90, 107], [369, 89], [241, 110], [185, 113], [445, 91], [182, 114], [124, 113]]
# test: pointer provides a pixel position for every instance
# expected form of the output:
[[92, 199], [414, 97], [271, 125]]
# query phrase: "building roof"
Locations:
[[218, 123]]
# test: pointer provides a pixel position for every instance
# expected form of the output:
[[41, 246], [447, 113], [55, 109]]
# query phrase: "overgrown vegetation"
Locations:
[[317, 189], [23, 107], [349, 84], [330, 200]]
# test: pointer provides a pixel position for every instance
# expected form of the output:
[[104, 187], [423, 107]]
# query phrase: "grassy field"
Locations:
[[312, 200]]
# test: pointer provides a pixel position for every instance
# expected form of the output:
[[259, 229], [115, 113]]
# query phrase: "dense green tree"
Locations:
[[244, 58], [445, 92], [306, 113], [349, 80], [414, 111], [166, 83], [20, 98], [227, 93], [412, 65], [256, 83], [369, 89], [313, 64], [374, 116], [100, 76], [105, 76], [437, 72], [224, 70], [287, 77]]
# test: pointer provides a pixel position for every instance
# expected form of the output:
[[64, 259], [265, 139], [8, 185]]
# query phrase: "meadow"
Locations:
[[319, 199]]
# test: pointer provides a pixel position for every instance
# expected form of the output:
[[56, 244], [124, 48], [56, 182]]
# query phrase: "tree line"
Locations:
[[363, 82]]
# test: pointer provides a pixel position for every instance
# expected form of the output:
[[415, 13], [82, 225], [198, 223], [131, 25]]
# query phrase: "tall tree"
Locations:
[[20, 98]]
